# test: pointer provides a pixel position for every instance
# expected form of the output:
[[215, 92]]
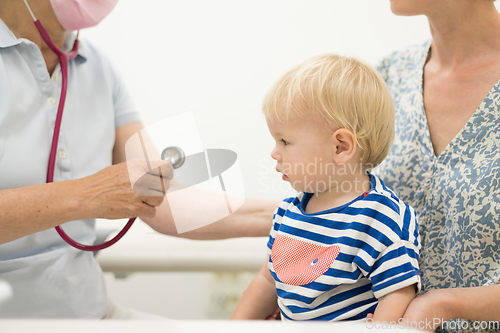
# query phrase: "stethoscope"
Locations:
[[173, 154]]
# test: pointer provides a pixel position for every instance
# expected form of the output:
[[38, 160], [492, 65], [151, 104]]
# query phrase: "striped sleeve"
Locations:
[[396, 266], [395, 269]]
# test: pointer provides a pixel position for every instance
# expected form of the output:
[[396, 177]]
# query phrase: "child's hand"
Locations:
[[276, 315]]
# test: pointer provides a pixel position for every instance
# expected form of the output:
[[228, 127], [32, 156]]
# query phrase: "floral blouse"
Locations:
[[457, 194]]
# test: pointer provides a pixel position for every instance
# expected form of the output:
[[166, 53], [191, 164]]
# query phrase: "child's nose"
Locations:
[[274, 154]]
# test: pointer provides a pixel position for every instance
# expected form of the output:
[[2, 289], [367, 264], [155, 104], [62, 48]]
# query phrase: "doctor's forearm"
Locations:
[[252, 219], [26, 210], [105, 194]]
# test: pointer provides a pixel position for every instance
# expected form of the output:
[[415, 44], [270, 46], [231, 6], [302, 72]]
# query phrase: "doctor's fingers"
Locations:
[[152, 201], [151, 186], [161, 168], [145, 209]]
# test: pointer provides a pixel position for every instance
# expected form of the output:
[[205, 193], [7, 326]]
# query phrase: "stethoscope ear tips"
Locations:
[[174, 155]]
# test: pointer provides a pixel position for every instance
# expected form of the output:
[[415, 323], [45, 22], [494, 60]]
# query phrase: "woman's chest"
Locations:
[[451, 99]]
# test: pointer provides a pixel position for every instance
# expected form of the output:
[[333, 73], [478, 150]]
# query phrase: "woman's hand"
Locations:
[[428, 311], [431, 308], [109, 193]]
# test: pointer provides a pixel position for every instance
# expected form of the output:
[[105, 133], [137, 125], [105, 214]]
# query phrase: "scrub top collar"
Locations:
[[8, 39]]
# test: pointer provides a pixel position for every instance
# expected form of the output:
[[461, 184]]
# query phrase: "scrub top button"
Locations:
[[51, 101], [62, 154], [56, 76]]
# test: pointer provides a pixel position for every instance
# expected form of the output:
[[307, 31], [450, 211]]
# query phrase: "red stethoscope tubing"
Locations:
[[64, 59]]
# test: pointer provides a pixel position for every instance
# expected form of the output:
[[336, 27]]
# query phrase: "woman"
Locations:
[[445, 159], [49, 278]]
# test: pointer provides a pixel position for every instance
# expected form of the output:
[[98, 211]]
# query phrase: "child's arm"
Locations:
[[259, 300], [392, 306]]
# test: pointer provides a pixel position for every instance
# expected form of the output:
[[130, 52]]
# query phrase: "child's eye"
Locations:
[[284, 142]]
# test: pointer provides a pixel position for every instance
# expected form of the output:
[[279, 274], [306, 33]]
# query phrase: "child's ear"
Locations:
[[344, 146]]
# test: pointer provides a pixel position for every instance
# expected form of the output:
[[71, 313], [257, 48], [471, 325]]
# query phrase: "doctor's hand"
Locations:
[[110, 194]]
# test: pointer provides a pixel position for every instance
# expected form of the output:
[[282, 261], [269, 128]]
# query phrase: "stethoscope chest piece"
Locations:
[[174, 155]]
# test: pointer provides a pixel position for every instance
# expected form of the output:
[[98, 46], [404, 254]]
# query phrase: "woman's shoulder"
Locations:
[[403, 60], [96, 58]]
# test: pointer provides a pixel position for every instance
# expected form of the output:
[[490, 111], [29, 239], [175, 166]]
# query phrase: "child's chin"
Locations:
[[297, 187]]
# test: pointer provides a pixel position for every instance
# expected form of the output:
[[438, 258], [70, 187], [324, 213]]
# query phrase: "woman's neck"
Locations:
[[465, 34], [16, 16]]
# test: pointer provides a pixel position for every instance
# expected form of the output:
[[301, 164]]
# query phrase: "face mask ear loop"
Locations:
[[29, 8]]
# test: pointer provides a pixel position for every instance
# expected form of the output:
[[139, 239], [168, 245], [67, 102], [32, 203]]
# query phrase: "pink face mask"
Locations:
[[80, 14]]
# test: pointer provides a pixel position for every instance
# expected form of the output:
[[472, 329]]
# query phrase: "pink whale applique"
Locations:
[[297, 263]]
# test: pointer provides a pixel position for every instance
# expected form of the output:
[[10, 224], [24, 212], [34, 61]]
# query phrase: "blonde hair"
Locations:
[[340, 92]]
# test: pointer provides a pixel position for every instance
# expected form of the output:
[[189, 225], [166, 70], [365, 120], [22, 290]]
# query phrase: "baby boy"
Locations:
[[345, 246]]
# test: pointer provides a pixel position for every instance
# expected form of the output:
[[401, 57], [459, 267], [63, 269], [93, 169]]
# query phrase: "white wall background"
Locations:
[[217, 59]]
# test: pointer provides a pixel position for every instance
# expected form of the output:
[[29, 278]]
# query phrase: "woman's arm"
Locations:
[[436, 306], [252, 219], [31, 209], [106, 194], [259, 300]]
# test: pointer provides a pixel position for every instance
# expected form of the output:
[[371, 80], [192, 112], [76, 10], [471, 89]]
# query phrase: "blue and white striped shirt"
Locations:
[[335, 264]]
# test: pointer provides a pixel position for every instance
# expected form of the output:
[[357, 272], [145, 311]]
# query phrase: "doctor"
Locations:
[[50, 279]]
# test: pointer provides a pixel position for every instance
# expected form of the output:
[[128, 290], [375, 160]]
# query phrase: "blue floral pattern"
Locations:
[[456, 194]]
